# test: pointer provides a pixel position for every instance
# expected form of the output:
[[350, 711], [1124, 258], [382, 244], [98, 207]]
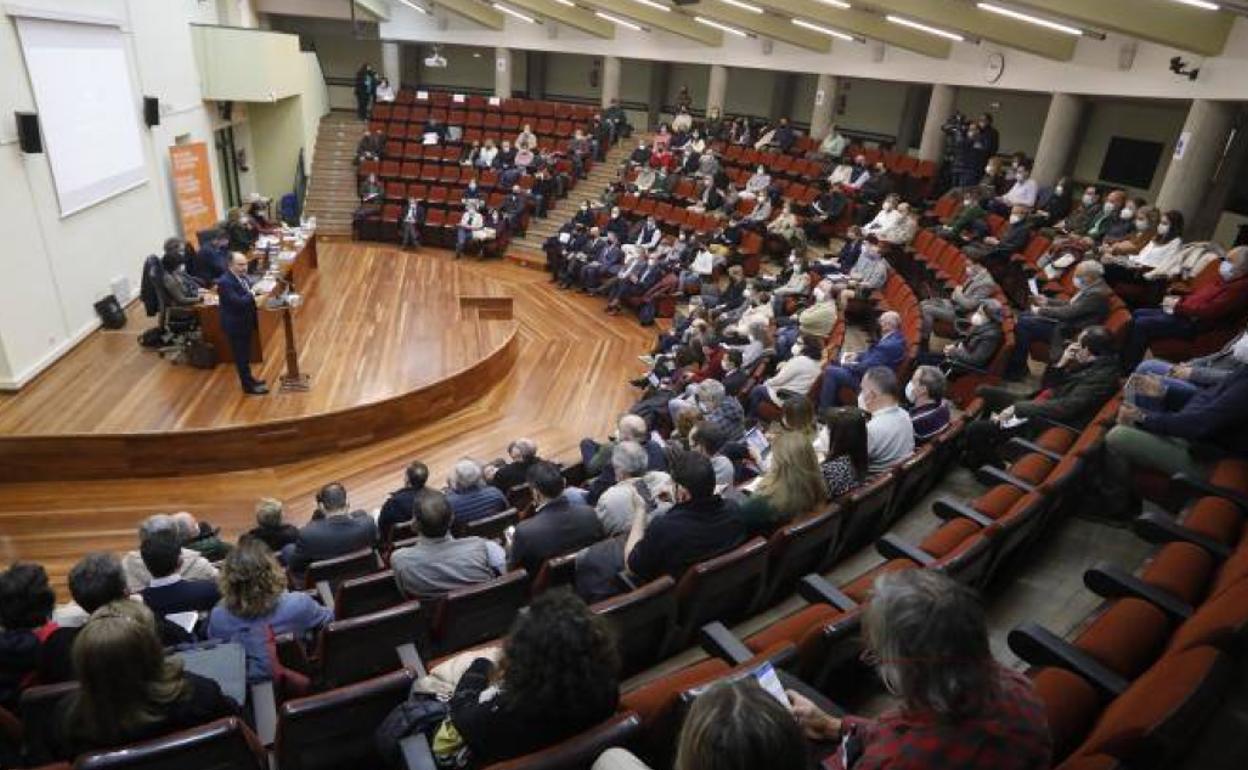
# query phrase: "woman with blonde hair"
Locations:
[[128, 690], [255, 602], [792, 485]]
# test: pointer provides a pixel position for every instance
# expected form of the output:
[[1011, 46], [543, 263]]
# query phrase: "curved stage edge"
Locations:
[[72, 457]]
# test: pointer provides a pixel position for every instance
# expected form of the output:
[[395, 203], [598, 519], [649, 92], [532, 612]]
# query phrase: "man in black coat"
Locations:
[[558, 525], [335, 530], [169, 593], [238, 321]]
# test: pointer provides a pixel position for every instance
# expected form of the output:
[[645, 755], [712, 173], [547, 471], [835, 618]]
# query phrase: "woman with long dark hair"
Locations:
[[846, 464]]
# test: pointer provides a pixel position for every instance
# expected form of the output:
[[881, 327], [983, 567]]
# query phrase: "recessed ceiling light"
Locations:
[[834, 3]]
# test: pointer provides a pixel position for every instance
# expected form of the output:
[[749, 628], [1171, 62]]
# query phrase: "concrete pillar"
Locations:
[[823, 114], [1058, 139], [782, 95], [392, 63], [1197, 151], [502, 73], [912, 112], [938, 111], [717, 88], [610, 80]]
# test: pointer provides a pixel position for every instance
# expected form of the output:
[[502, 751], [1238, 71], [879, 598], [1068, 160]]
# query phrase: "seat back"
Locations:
[[489, 527], [864, 511], [581, 750], [643, 621], [555, 572], [335, 729], [725, 588], [355, 564], [479, 613], [226, 744], [370, 593], [798, 549], [359, 648], [36, 707], [912, 480]]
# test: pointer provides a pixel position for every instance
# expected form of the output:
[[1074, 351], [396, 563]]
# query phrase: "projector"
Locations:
[[437, 61]]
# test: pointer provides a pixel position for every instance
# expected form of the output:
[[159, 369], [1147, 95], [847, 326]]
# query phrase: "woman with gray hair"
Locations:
[[470, 497], [927, 637]]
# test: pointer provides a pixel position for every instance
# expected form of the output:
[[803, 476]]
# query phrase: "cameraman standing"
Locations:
[[970, 152]]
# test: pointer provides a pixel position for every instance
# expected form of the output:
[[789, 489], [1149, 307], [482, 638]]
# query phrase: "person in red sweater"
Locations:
[[1185, 317]]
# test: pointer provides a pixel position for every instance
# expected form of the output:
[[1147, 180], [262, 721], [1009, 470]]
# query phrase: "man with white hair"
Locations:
[[521, 456], [201, 537], [714, 406], [888, 351], [597, 457], [617, 504], [1059, 321], [468, 494], [191, 565]]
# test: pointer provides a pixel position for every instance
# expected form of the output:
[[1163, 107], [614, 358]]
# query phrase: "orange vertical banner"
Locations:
[[193, 188]]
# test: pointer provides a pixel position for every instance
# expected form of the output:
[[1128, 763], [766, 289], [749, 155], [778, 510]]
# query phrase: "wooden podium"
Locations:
[[293, 379]]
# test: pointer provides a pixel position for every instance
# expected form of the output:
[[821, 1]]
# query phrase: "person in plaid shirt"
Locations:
[[960, 709]]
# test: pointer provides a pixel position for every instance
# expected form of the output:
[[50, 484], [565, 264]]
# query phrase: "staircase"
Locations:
[[332, 192], [527, 251]]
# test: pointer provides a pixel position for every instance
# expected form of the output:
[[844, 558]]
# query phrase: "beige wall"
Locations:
[[277, 137], [1152, 121], [1018, 116], [749, 92], [872, 105], [567, 74], [247, 65]]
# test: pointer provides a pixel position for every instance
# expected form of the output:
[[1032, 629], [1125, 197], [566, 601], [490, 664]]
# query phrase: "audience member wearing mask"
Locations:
[[887, 352], [890, 432], [928, 410], [1059, 320]]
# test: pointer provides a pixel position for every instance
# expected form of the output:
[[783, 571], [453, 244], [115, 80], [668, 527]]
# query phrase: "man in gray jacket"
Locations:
[[1159, 384], [977, 286]]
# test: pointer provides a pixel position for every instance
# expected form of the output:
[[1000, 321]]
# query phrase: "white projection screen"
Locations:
[[88, 112]]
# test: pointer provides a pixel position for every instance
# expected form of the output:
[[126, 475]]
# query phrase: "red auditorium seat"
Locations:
[[335, 729], [225, 743]]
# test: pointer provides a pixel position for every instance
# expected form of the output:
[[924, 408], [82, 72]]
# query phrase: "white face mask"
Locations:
[[862, 401], [1108, 207], [820, 295], [1016, 218], [797, 350], [1227, 271], [1240, 351], [910, 392], [1088, 200], [1127, 213], [1141, 224], [888, 205], [978, 319], [1059, 190], [987, 169], [1163, 229]]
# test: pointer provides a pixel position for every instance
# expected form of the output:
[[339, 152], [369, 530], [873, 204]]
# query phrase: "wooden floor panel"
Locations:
[[568, 382]]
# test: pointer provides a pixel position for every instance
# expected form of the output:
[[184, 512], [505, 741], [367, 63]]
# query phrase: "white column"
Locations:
[[1058, 139], [717, 88], [610, 80], [1196, 153], [938, 111], [392, 64], [502, 73], [821, 116]]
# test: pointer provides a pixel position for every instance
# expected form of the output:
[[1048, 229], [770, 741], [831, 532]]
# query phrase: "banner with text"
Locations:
[[193, 188]]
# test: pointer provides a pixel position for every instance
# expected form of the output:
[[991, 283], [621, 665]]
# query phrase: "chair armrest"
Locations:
[[817, 590], [264, 711], [1016, 447], [410, 658], [894, 547], [628, 579], [1041, 647], [325, 594], [717, 640], [1160, 528], [1111, 581], [990, 476], [947, 508], [416, 753], [1190, 487], [1055, 424]]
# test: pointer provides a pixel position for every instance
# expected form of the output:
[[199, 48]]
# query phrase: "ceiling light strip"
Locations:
[[743, 6], [835, 3], [1001, 10], [415, 7], [618, 21], [513, 12], [721, 27], [1201, 4], [912, 24], [810, 25], [654, 5]]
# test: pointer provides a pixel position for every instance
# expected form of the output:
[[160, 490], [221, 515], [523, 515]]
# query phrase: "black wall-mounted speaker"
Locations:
[[28, 132], [151, 111]]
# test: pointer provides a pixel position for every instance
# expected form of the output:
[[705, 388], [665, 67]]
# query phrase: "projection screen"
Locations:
[[88, 111]]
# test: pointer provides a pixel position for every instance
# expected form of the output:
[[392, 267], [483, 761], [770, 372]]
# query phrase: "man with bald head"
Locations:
[[238, 320], [597, 457], [888, 351]]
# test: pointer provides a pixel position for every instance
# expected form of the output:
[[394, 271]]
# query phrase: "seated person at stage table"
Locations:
[[180, 288], [335, 530], [213, 259], [255, 603], [129, 691], [1084, 377], [1161, 384], [270, 527], [439, 562], [888, 351], [929, 413], [1165, 440], [168, 593], [1059, 320], [558, 524], [468, 494], [402, 503], [927, 635], [239, 319], [191, 565], [890, 431], [1185, 316], [977, 285]]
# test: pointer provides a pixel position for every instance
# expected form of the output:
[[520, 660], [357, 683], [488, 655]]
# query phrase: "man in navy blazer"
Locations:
[[238, 321], [888, 351]]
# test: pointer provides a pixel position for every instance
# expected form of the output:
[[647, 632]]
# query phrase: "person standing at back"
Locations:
[[239, 320], [335, 530]]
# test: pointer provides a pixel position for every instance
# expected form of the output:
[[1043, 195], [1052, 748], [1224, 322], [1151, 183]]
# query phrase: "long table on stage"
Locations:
[[298, 272]]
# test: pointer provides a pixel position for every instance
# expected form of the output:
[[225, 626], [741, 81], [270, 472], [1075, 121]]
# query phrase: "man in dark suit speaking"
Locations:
[[238, 320]]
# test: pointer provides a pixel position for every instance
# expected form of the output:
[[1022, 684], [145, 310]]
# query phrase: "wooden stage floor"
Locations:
[[567, 381]]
